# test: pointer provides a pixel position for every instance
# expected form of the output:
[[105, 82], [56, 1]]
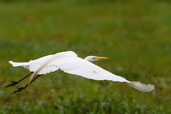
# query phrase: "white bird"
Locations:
[[70, 63]]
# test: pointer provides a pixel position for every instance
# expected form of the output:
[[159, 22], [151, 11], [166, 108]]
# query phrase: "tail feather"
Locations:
[[16, 64], [142, 87]]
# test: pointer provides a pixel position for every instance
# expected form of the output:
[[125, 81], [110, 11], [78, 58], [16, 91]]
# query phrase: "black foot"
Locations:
[[12, 84], [16, 82], [22, 88], [19, 89]]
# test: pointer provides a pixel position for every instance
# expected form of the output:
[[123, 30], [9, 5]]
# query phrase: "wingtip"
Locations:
[[142, 87]]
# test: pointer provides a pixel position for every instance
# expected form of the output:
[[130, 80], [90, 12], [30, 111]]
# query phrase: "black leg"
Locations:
[[16, 82], [22, 88]]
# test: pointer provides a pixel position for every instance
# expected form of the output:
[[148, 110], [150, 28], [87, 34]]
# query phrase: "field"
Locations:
[[135, 35]]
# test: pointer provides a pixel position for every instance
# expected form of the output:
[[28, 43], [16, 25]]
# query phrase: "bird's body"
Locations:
[[69, 62], [51, 60]]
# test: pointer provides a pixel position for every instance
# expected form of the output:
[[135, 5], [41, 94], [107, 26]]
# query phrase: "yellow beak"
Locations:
[[101, 58]]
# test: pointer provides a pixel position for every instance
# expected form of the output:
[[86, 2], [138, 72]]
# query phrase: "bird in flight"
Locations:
[[69, 62]]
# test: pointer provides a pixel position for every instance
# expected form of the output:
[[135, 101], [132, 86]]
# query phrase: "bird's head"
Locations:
[[94, 58]]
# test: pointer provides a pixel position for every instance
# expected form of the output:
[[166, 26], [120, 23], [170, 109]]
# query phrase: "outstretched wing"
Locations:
[[74, 65], [77, 66], [88, 70]]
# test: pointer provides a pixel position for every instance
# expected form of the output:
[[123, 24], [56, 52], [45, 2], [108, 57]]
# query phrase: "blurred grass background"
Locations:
[[135, 35]]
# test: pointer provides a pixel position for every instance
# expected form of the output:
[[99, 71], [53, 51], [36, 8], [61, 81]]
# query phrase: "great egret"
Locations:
[[69, 62]]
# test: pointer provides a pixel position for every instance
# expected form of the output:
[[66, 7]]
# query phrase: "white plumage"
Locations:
[[69, 62]]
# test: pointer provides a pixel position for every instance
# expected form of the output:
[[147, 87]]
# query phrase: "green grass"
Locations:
[[135, 35]]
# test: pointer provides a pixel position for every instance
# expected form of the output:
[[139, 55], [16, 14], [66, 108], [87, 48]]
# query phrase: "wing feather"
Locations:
[[83, 68]]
